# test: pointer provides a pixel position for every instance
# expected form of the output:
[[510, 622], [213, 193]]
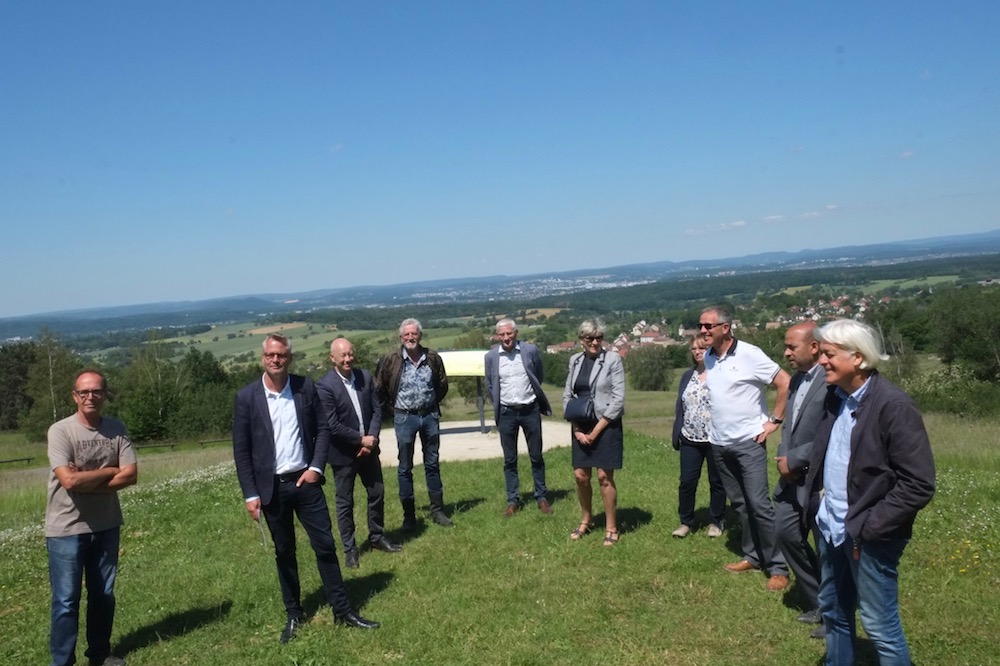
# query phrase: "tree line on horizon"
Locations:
[[168, 392]]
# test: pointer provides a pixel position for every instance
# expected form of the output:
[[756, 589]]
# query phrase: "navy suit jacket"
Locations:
[[253, 435], [345, 431], [532, 365], [797, 437]]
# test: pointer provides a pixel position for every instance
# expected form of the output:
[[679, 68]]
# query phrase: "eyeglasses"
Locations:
[[91, 393], [591, 338], [275, 356], [708, 327]]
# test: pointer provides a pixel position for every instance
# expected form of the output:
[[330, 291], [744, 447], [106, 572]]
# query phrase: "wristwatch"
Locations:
[[775, 420]]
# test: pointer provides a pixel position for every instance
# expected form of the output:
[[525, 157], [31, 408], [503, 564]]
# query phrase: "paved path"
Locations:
[[464, 440]]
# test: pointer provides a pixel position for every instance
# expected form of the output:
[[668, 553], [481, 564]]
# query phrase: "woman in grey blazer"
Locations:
[[598, 373]]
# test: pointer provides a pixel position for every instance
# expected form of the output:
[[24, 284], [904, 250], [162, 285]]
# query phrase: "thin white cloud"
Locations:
[[773, 219], [906, 154]]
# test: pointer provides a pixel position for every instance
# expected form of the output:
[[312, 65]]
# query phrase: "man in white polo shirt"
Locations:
[[737, 374]]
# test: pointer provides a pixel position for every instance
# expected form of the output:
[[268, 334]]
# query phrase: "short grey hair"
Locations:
[[277, 337], [506, 321], [590, 328], [411, 322], [854, 336], [723, 313]]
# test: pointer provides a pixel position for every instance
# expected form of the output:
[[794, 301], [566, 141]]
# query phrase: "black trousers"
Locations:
[[308, 503], [370, 470]]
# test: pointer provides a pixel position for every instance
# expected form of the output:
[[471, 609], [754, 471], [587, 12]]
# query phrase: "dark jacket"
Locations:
[[253, 435], [345, 431], [390, 370], [797, 437], [679, 408], [532, 365], [890, 476]]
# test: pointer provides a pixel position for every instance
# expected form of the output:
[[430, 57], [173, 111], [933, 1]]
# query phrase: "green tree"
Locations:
[[967, 328], [16, 360], [151, 387], [49, 386], [648, 367]]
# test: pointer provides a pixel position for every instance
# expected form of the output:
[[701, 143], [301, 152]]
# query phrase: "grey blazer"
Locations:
[[532, 365], [797, 437], [607, 383]]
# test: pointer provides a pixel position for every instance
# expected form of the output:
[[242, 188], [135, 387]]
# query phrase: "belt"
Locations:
[[521, 408], [415, 412], [288, 477]]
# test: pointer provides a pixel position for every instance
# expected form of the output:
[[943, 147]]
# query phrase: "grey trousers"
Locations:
[[794, 542], [743, 467]]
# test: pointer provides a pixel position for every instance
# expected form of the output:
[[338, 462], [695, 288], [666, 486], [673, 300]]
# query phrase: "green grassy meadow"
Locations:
[[195, 585]]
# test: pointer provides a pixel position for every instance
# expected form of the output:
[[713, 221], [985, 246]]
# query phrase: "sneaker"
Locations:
[[681, 531], [714, 531]]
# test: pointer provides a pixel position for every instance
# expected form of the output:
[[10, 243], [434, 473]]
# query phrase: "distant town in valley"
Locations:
[[562, 289]]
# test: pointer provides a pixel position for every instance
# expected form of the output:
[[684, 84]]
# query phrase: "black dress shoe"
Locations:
[[385, 546], [291, 627], [351, 559], [352, 619]]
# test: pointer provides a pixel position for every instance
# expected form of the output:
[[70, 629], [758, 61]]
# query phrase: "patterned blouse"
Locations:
[[696, 410]]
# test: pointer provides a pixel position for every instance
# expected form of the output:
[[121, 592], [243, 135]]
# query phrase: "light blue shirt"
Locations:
[[832, 515], [289, 454]]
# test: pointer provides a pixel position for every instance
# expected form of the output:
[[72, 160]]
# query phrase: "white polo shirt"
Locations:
[[736, 383]]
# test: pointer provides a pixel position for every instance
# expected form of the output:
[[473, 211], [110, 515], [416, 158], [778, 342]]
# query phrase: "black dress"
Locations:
[[607, 451]]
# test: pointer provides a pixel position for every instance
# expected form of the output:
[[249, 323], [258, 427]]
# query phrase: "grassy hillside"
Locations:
[[197, 587]]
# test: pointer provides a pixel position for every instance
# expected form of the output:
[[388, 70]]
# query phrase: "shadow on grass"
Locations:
[[173, 625], [361, 587], [631, 519]]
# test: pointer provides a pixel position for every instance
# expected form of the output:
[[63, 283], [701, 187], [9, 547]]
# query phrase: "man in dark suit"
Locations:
[[354, 415], [514, 379], [280, 445], [806, 393]]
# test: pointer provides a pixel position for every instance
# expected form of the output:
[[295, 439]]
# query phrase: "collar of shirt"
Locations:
[[515, 350], [851, 401], [407, 359], [729, 352]]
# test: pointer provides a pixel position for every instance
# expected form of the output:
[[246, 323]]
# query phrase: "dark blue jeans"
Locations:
[[693, 454], [529, 419], [429, 427], [71, 559], [308, 503], [869, 584]]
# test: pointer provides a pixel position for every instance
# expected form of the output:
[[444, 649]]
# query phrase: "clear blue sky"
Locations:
[[161, 151]]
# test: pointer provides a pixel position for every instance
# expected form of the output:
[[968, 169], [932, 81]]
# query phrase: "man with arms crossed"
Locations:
[[806, 393], [737, 373], [280, 445], [514, 380], [91, 458], [355, 419], [411, 384]]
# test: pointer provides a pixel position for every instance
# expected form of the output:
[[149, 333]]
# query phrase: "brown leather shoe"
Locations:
[[511, 509], [739, 567], [544, 506], [777, 583]]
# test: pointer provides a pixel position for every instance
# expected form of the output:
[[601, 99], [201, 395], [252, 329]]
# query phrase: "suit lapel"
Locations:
[[260, 405]]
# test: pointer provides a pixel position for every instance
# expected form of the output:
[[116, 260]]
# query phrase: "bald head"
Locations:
[[342, 355], [801, 348]]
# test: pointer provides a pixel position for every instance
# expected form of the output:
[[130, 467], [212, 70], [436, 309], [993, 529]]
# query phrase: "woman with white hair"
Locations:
[[873, 462]]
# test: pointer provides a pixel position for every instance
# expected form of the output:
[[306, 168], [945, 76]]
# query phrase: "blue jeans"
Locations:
[[71, 559], [407, 426], [529, 419], [869, 583]]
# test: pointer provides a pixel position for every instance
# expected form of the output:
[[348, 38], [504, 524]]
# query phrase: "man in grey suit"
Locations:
[[355, 419], [514, 380], [806, 394]]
